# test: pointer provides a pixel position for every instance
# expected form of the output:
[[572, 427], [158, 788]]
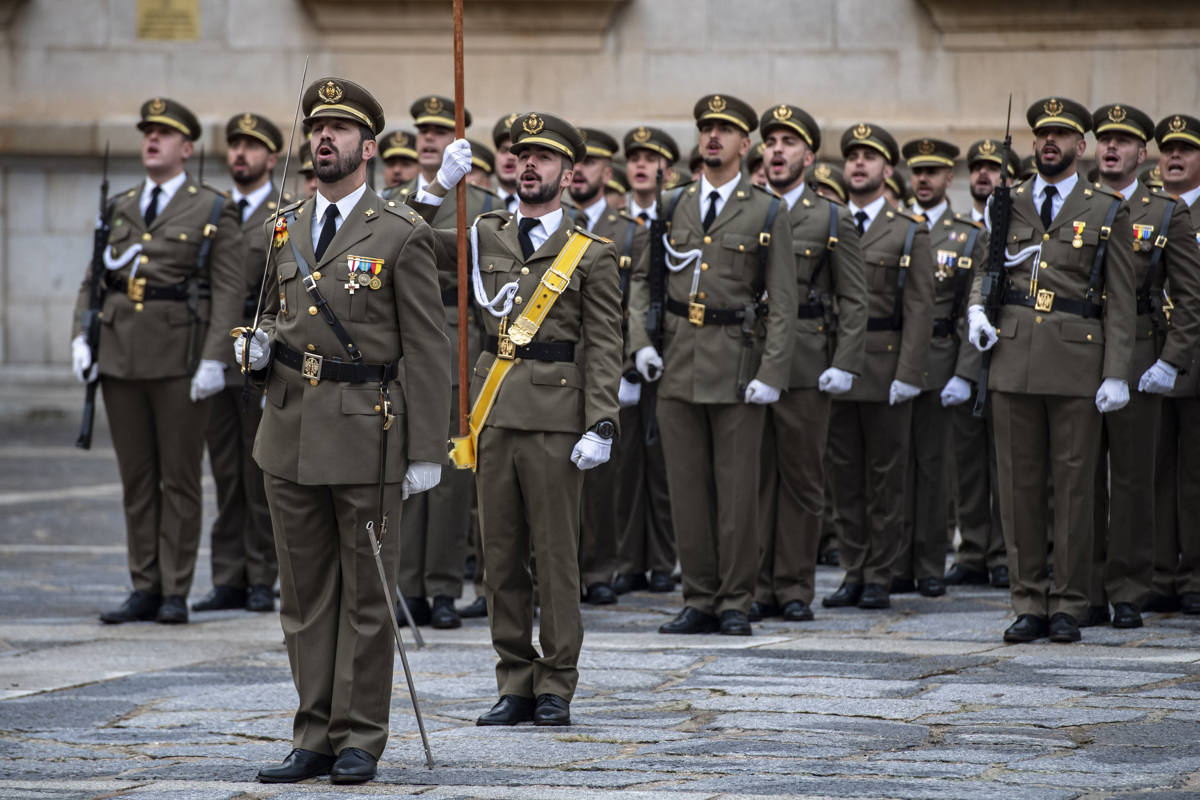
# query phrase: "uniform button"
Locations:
[[316, 276], [889, 347], [310, 347], [138, 307], [1045, 237], [707, 239], [820, 328], [704, 267], [741, 247], [313, 381], [1089, 337], [1038, 318], [489, 267], [516, 361], [392, 203], [281, 279], [146, 237], [563, 382], [524, 270], [1043, 265], [808, 252], [312, 311], [701, 295], [377, 408], [518, 301], [144, 260], [183, 237]]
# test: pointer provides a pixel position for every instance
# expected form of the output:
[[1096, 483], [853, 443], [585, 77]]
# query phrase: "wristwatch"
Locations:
[[605, 429]]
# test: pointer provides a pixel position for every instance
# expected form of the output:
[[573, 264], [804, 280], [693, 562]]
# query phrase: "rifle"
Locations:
[[996, 279], [91, 315], [658, 293]]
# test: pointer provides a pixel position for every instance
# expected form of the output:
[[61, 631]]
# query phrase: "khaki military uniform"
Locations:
[[868, 437], [320, 443], [711, 437], [243, 546], [923, 553], [1045, 371], [145, 350], [792, 497]]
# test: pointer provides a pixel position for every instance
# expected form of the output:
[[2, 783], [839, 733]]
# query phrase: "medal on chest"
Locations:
[[946, 261], [364, 272], [1077, 242], [1141, 237]]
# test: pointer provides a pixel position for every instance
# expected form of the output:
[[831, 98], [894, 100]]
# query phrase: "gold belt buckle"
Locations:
[[1045, 300], [505, 348], [136, 289], [695, 312], [311, 367]]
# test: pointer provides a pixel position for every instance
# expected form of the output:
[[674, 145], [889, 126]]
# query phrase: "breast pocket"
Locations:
[[883, 269], [288, 286], [183, 245], [1077, 250], [739, 256], [498, 270]]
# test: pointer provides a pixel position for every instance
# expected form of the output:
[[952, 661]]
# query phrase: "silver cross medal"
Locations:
[[351, 284]]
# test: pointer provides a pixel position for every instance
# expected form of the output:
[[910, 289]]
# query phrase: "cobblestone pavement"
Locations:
[[921, 701]]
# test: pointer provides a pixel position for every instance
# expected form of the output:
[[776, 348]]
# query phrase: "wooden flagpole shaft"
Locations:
[[460, 132]]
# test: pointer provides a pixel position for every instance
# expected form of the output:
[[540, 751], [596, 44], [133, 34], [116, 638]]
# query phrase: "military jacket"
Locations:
[[631, 239], [150, 339], [841, 284], [895, 354], [701, 364], [1056, 352], [329, 433], [1186, 384], [950, 352]]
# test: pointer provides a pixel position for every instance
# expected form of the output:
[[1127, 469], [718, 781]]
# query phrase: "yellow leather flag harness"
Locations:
[[521, 333]]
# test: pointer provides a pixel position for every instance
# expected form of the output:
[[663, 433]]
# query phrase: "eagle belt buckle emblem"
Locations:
[[505, 348], [1045, 300], [311, 367], [136, 289], [695, 312]]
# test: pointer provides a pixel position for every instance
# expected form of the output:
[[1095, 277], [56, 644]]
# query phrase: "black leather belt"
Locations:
[[538, 351], [146, 292], [450, 297], [712, 316], [813, 310], [1143, 303], [884, 324], [1046, 301], [320, 368], [943, 327]]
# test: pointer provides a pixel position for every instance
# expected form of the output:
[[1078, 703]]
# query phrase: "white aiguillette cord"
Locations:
[[112, 263], [1013, 259], [685, 258], [507, 292]]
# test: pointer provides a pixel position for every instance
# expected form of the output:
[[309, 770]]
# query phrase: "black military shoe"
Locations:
[[1094, 616], [874, 596], [173, 610], [419, 608], [260, 598], [551, 710], [1160, 603], [1064, 628], [829, 558], [353, 766], [627, 582], [222, 598], [476, 609], [444, 616], [1126, 615], [300, 765], [1000, 577], [797, 611], [734, 623], [691, 620], [661, 582], [931, 587], [758, 611], [846, 595], [600, 594], [1027, 628], [958, 575], [1189, 602], [138, 607], [903, 586], [510, 710]]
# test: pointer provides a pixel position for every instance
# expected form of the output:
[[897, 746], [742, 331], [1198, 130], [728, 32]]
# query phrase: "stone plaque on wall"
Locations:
[[168, 19]]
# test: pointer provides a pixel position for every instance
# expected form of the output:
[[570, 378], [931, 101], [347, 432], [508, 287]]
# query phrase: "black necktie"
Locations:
[[243, 204], [526, 225], [861, 216], [152, 209], [327, 232], [644, 217], [1047, 212], [713, 196]]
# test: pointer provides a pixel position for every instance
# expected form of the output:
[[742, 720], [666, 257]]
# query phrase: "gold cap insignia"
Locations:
[[823, 171], [717, 104], [782, 113], [1116, 114], [1177, 125], [434, 106], [533, 125], [925, 147], [761, 148], [986, 148], [157, 106], [1053, 107], [862, 131], [510, 119], [583, 135], [247, 122], [330, 92], [399, 139], [1156, 174], [641, 135]]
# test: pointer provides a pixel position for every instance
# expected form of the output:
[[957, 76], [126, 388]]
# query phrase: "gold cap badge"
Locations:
[[331, 92], [1053, 107], [1117, 114], [761, 148], [399, 139], [717, 104], [1177, 125], [986, 148], [641, 135], [510, 119], [247, 122], [822, 171], [782, 113], [925, 147], [533, 125], [1156, 174], [434, 106], [862, 131], [157, 106]]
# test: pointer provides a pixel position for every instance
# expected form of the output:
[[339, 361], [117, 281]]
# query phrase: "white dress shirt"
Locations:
[[931, 215], [540, 233], [1064, 187], [511, 201], [167, 191], [873, 208], [253, 200], [976, 216], [793, 197], [723, 193], [344, 207], [593, 212], [636, 211], [1129, 190], [1190, 196]]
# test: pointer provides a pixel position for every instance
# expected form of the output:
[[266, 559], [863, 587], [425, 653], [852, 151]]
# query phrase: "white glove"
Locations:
[[208, 380], [260, 349], [977, 323], [456, 162], [420, 477], [1158, 379], [628, 394], [835, 381], [901, 392], [1113, 395], [760, 394], [81, 359], [591, 451], [957, 391], [648, 363]]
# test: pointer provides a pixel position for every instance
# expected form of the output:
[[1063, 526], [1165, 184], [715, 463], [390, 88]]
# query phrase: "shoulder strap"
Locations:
[[625, 263], [902, 276], [1098, 263], [830, 244], [966, 265], [487, 202], [764, 249], [673, 201], [1160, 244], [210, 233]]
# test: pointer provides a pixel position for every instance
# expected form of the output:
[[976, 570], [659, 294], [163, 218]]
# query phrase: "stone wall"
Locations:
[[75, 75]]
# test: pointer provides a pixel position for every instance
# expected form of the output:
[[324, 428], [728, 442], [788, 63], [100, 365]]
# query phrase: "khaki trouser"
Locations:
[[868, 449], [713, 460], [243, 545], [158, 436], [1036, 434], [1177, 498], [332, 607], [792, 496], [645, 534], [529, 497], [598, 525], [982, 546], [927, 496]]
